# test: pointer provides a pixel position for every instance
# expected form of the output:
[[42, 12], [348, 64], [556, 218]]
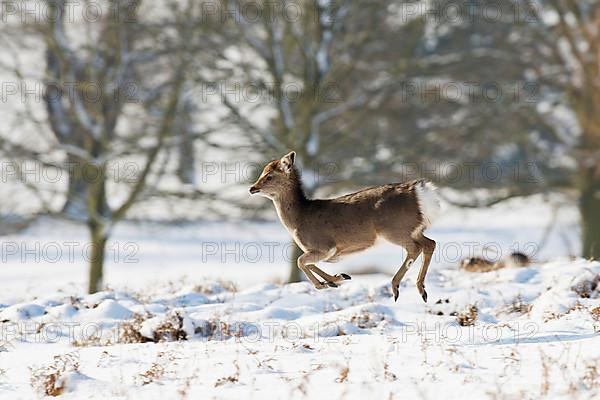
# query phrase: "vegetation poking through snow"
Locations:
[[293, 338], [234, 378], [588, 288], [518, 306], [468, 316], [51, 379]]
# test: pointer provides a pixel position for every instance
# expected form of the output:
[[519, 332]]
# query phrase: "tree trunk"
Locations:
[[75, 204], [295, 273], [98, 245], [589, 207], [186, 170], [97, 213]]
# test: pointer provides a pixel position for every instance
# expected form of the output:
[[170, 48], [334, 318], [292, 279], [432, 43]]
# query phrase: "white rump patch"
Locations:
[[429, 202]]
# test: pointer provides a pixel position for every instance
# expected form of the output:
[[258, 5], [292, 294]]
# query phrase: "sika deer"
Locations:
[[328, 229]]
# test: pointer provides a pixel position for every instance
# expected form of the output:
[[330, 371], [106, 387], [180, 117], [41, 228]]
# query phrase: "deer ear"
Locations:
[[287, 162]]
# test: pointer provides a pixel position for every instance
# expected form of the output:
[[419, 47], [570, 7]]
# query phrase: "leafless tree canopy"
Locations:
[[364, 91]]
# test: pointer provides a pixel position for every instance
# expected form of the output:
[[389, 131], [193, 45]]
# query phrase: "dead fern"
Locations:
[[367, 320], [216, 288], [343, 375], [467, 317], [588, 289], [50, 379], [517, 306], [216, 329], [154, 373], [171, 329], [595, 313], [129, 331], [163, 365]]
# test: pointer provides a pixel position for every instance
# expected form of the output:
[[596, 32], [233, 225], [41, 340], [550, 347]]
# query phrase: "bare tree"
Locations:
[[115, 90], [573, 43], [545, 57]]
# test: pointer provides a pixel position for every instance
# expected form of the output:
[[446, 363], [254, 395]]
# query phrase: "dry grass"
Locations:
[[220, 286], [125, 333], [545, 385], [129, 332], [588, 289], [183, 391], [50, 379], [217, 329], [154, 373], [165, 361], [468, 316], [231, 378], [388, 375], [367, 320], [591, 378], [595, 313], [171, 329], [165, 365], [517, 306], [343, 375]]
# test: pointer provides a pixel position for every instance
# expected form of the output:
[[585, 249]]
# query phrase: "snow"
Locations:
[[272, 340], [185, 321]]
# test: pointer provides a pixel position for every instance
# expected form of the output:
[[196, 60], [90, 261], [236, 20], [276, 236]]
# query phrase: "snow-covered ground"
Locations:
[[198, 311]]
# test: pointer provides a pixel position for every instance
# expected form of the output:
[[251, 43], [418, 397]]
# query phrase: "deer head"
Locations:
[[278, 176]]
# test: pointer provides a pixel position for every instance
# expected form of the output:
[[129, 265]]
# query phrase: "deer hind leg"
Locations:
[[413, 250], [428, 246], [306, 264], [331, 280]]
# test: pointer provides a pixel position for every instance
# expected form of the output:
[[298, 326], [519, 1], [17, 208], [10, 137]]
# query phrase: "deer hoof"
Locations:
[[331, 284], [346, 277], [396, 292], [424, 295]]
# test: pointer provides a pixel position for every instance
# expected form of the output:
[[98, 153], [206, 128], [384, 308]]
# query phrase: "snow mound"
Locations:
[[477, 333]]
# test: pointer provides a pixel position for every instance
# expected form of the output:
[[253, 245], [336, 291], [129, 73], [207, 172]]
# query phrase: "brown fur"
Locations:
[[328, 229]]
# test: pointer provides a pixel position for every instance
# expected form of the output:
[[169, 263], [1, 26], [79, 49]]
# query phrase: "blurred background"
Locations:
[[131, 130]]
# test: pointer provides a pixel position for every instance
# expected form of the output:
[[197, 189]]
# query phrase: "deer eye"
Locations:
[[269, 177]]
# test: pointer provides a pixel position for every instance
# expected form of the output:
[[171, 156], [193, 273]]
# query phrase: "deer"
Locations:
[[327, 229]]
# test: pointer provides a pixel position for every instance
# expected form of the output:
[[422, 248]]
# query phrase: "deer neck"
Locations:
[[290, 205]]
